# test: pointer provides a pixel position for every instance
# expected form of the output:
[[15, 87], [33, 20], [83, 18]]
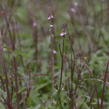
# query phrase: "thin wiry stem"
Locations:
[[104, 86]]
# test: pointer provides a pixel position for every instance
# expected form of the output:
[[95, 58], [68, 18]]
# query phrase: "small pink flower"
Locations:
[[34, 24], [63, 34], [73, 10], [75, 3], [54, 52], [50, 17], [51, 26]]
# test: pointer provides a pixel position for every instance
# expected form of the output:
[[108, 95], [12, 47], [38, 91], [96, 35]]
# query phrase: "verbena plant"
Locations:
[[54, 55]]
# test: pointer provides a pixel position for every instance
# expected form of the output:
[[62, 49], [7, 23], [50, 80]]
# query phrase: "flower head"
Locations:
[[75, 3], [73, 10], [34, 24], [50, 17], [51, 26], [54, 51], [63, 34]]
